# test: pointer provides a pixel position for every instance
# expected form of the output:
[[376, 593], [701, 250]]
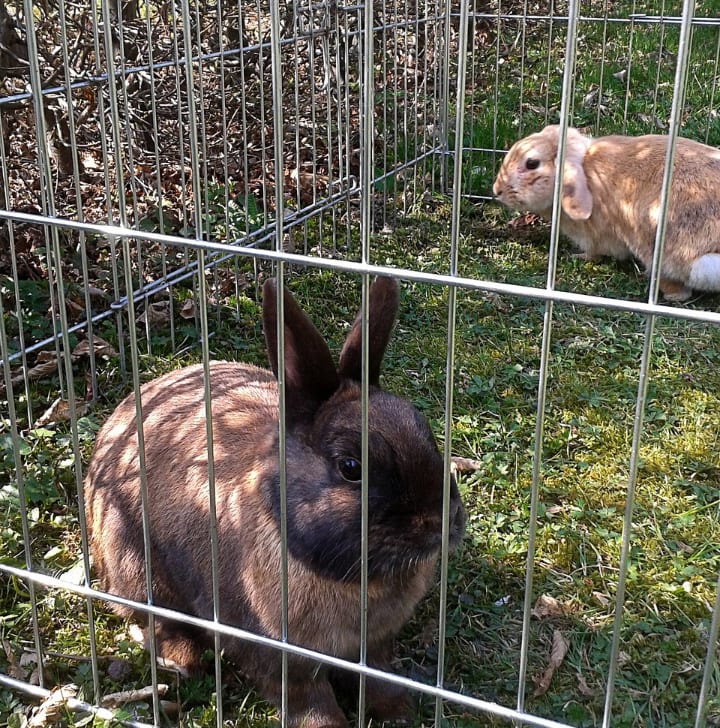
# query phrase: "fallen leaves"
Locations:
[[547, 607], [47, 363], [557, 655], [53, 708]]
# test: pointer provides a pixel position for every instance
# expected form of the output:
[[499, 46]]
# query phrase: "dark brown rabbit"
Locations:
[[405, 474]]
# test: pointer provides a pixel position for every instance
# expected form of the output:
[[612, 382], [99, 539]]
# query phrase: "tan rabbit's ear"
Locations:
[[577, 201]]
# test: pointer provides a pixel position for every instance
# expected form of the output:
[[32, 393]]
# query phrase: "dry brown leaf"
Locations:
[[58, 411], [13, 668], [604, 599], [557, 655], [51, 710], [529, 219], [547, 607], [74, 308], [115, 700], [155, 313], [46, 364], [584, 688], [100, 346], [428, 636], [187, 310]]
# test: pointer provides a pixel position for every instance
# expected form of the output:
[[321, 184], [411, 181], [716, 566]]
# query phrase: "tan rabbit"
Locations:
[[611, 200], [405, 474]]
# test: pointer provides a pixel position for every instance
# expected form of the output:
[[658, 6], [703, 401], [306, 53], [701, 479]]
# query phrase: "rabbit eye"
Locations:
[[532, 163], [350, 469]]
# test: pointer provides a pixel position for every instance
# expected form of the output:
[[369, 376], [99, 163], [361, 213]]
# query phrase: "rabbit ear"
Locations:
[[383, 306], [577, 201], [310, 374]]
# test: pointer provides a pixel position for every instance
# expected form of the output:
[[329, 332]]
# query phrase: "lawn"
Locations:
[[623, 84], [593, 380]]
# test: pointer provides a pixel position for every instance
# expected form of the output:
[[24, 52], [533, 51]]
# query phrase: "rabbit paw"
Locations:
[[386, 701], [674, 290]]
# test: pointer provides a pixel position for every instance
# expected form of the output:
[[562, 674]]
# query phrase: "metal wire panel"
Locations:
[[160, 159]]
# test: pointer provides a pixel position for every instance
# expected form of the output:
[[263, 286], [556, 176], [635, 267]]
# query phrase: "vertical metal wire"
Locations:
[[132, 332], [715, 77], [444, 116], [48, 206], [243, 114], [178, 75], [15, 275], [297, 15], [523, 40], [658, 69], [123, 112], [212, 507], [567, 85], [346, 138], [262, 49], [367, 137], [601, 78], [158, 166], [450, 359], [278, 139], [144, 499], [77, 458], [625, 550], [72, 408], [496, 82], [628, 69], [710, 662], [101, 110], [548, 65], [197, 160], [333, 76], [78, 196], [46, 181], [20, 482]]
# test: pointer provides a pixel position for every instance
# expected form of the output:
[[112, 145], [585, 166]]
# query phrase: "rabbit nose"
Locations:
[[497, 190]]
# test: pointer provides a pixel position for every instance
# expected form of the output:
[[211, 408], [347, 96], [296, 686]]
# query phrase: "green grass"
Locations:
[[588, 429], [592, 390]]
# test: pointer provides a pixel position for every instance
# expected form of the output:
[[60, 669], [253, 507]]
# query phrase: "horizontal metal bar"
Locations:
[[529, 292], [265, 234], [635, 18], [405, 682], [225, 54], [77, 706]]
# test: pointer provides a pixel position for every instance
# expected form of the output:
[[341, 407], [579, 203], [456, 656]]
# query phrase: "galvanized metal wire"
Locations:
[[307, 176]]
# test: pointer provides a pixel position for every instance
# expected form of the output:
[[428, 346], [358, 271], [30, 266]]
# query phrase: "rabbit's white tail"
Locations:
[[705, 273]]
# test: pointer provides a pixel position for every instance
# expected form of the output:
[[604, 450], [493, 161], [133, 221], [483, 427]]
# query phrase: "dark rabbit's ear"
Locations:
[[310, 374], [383, 307]]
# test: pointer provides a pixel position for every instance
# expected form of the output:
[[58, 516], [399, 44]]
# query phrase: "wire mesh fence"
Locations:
[[161, 161]]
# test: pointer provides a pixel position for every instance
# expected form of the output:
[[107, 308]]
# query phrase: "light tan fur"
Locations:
[[622, 176]]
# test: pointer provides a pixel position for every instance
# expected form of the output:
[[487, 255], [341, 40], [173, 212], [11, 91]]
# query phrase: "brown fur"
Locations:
[[623, 178], [323, 608]]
